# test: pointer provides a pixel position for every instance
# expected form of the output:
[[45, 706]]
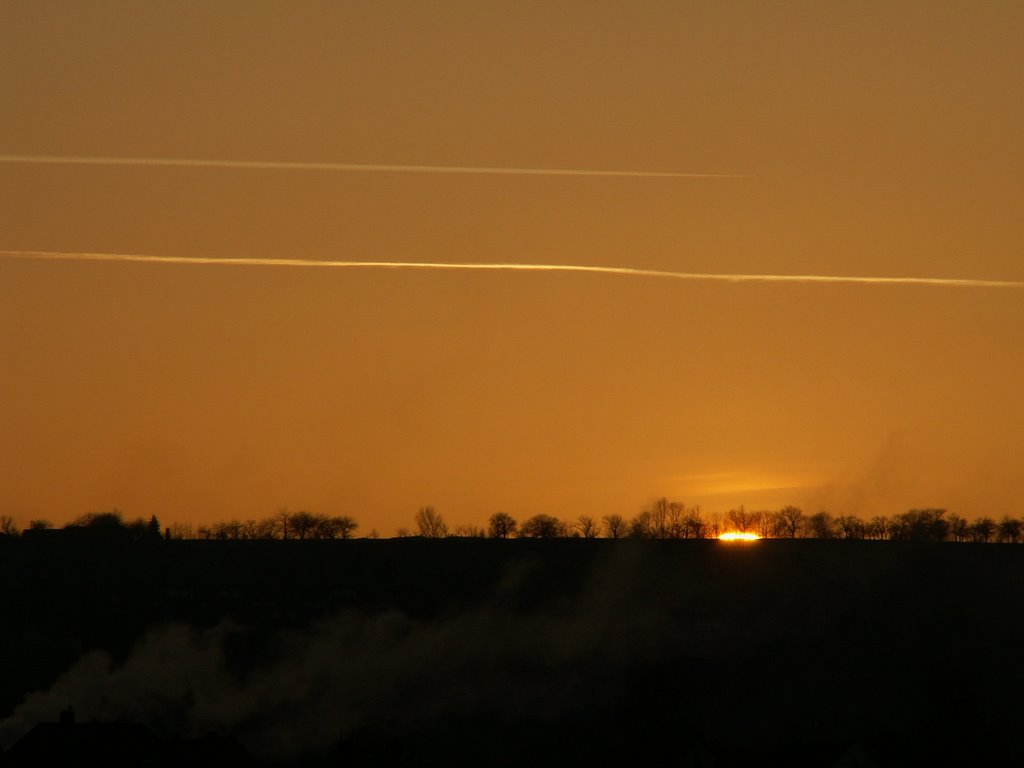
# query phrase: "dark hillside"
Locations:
[[427, 648]]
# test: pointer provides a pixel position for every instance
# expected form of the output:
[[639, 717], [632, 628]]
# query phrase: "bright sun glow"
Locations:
[[738, 536]]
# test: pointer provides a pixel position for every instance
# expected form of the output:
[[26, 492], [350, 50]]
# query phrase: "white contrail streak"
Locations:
[[947, 282], [351, 167]]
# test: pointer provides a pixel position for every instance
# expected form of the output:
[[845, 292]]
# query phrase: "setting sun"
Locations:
[[738, 536]]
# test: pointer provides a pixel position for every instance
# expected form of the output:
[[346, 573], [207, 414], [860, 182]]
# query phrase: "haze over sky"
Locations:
[[883, 138]]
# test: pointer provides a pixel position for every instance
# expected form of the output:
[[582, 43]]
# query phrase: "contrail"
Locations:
[[351, 167], [947, 282]]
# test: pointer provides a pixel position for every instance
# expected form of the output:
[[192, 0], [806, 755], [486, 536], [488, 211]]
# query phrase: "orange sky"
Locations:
[[883, 139]]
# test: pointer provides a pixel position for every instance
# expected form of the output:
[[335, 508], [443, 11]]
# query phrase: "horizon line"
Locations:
[[509, 267]]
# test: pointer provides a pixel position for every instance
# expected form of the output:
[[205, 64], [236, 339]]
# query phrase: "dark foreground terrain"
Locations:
[[520, 652]]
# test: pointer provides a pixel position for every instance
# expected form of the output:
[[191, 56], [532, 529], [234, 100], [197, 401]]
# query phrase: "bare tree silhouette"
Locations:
[[283, 520], [659, 513], [694, 525], [742, 520], [850, 527], [614, 526], [343, 527], [303, 525], [1010, 530], [764, 524], [542, 527], [587, 526], [430, 524], [920, 525], [788, 522], [258, 529], [820, 525], [982, 530], [501, 526], [643, 525], [877, 527], [958, 527]]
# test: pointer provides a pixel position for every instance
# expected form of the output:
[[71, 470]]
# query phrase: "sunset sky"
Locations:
[[869, 139]]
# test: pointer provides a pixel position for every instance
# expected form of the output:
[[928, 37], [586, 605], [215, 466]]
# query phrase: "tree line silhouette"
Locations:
[[661, 519], [664, 519], [110, 523]]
